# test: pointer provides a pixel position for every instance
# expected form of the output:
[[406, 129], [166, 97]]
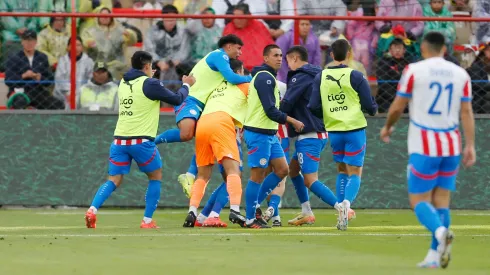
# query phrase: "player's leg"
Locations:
[[119, 165], [209, 207], [149, 161], [306, 216], [186, 116], [274, 202]]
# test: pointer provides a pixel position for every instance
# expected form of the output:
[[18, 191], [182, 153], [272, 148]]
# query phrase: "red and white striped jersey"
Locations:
[[436, 88]]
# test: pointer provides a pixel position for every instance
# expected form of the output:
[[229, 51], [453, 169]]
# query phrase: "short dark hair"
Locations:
[[397, 41], [236, 64], [140, 59], [435, 40], [229, 39], [340, 48], [78, 39], [301, 51], [268, 49], [245, 71], [243, 7], [169, 9]]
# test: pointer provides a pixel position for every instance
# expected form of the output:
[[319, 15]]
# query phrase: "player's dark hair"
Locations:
[[397, 41], [301, 51], [78, 39], [169, 9], [246, 72], [140, 59], [243, 7], [229, 39], [269, 48], [340, 48], [236, 64], [435, 41]]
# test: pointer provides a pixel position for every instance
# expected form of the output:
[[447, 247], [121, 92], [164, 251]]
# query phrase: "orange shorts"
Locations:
[[215, 139]]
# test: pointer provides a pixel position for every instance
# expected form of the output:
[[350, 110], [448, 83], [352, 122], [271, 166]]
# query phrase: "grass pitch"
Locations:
[[43, 242]]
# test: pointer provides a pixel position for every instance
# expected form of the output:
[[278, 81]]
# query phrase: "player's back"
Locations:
[[207, 79], [437, 88]]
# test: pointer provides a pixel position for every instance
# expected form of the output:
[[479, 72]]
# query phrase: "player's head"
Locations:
[[433, 45], [273, 56], [297, 56], [341, 50], [232, 45], [237, 66], [142, 61]]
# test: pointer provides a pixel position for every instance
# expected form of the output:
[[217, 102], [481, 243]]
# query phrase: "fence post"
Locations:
[[73, 57], [296, 24]]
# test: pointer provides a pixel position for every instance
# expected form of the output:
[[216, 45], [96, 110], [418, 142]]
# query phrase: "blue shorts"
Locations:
[[222, 170], [285, 148], [426, 173], [190, 108], [145, 154], [308, 152], [262, 149], [349, 147]]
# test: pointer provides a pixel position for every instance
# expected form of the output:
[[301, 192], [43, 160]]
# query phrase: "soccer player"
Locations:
[[339, 94], [438, 93], [139, 99], [261, 124], [226, 108], [209, 72]]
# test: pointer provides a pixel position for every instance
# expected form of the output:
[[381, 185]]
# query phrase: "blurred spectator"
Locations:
[[389, 72], [482, 9], [384, 42], [52, 40], [107, 41], [322, 7], [227, 6], [436, 8], [99, 94], [204, 35], [406, 8], [94, 6], [277, 7], [196, 6], [308, 39], [62, 78], [26, 69], [168, 42], [254, 35], [361, 35], [480, 76]]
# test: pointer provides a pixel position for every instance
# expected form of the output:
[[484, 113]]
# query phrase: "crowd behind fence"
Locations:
[[40, 43]]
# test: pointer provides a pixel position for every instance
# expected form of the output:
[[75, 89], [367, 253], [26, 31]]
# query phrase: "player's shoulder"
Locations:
[[219, 55]]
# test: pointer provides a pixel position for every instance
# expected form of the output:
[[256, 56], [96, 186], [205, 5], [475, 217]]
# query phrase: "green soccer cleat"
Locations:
[[186, 181]]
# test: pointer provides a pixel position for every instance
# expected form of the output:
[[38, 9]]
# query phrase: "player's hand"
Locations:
[[298, 125], [189, 79], [469, 156], [163, 65], [386, 133]]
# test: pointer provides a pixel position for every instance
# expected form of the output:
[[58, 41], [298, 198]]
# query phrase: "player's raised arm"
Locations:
[[468, 121], [315, 104], [155, 90], [221, 61]]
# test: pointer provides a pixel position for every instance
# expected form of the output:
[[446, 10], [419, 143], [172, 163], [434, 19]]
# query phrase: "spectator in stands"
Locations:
[[436, 8], [100, 93], [107, 42], [361, 35], [322, 7], [307, 39], [168, 42], [204, 35], [389, 72], [227, 7], [410, 8], [482, 9], [254, 35], [411, 46], [27, 69], [196, 6], [94, 6], [480, 75], [52, 40], [62, 77]]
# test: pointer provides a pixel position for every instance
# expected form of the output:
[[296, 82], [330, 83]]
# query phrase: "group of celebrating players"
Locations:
[[220, 104]]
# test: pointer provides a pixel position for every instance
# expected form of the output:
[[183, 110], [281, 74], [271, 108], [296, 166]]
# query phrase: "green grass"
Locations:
[[43, 242]]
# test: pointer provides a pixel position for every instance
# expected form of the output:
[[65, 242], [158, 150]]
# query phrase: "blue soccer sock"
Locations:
[[105, 190], [352, 188], [340, 186], [152, 197], [193, 166], [324, 193], [300, 188], [221, 200], [169, 136], [269, 184], [212, 199], [445, 217], [251, 195], [428, 216], [274, 203]]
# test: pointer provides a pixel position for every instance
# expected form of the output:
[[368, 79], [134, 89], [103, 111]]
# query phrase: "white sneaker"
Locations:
[[343, 218], [444, 248], [431, 260], [268, 214]]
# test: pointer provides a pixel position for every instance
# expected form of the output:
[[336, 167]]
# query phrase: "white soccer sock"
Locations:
[[346, 204], [93, 209], [337, 206], [235, 208], [439, 234], [250, 221], [213, 214], [276, 218], [201, 218], [193, 209], [147, 220], [306, 208], [191, 175], [433, 255]]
